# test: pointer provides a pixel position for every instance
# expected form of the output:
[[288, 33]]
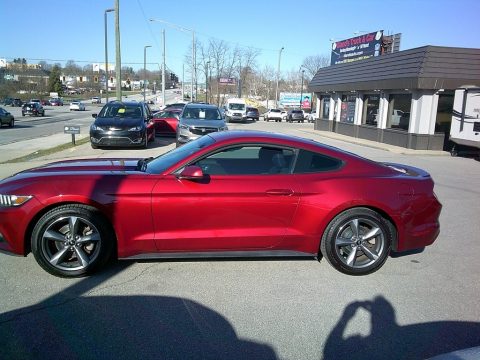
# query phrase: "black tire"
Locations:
[[145, 143], [63, 255], [347, 249], [12, 123]]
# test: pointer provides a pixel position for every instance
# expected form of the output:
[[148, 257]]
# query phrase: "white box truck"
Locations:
[[465, 128]]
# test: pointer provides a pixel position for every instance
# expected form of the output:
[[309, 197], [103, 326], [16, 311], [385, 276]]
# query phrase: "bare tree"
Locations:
[[314, 63]]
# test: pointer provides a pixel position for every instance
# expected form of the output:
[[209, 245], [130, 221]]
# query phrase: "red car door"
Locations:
[[224, 212]]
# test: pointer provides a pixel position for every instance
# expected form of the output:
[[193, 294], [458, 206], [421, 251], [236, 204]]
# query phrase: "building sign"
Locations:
[[358, 48], [227, 81]]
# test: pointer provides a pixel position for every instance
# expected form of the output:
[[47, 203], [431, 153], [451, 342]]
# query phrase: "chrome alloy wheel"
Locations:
[[71, 243], [359, 243]]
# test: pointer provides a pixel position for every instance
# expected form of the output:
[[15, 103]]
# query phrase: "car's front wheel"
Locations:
[[12, 123], [72, 240], [357, 241]]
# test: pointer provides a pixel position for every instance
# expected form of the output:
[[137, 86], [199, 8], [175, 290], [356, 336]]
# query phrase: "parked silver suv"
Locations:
[[197, 120]]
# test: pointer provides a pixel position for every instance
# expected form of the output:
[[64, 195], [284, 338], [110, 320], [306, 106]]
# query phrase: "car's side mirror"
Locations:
[[94, 116], [191, 172]]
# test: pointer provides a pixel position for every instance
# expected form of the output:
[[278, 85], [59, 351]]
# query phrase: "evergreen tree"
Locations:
[[54, 82]]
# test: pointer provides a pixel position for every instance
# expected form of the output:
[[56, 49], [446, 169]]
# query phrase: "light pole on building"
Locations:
[[278, 75], [106, 51], [145, 70]]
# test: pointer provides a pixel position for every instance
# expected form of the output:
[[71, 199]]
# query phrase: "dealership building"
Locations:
[[403, 98]]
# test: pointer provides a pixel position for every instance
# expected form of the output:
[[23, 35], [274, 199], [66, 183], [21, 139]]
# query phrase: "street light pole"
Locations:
[[194, 68], [206, 82], [301, 90], [106, 51], [278, 75], [145, 70]]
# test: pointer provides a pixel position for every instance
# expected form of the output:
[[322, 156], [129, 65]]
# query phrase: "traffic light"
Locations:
[[172, 76]]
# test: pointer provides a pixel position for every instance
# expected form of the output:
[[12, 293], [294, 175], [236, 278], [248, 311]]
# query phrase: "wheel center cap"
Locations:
[[358, 242]]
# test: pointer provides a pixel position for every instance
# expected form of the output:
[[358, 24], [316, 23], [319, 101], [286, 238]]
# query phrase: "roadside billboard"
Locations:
[[288, 99], [227, 81], [357, 48]]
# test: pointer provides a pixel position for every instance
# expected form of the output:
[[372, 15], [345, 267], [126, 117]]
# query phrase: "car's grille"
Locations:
[[202, 130], [120, 141], [111, 128], [237, 114]]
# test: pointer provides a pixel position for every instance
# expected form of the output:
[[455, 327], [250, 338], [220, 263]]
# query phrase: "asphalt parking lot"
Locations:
[[414, 307]]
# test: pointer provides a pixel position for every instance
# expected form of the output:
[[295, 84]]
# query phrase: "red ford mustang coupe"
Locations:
[[226, 194]]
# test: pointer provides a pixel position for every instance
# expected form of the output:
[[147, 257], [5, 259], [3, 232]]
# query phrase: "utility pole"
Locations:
[[163, 69], [118, 62]]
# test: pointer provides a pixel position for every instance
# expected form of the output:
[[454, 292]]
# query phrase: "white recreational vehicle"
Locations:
[[465, 128]]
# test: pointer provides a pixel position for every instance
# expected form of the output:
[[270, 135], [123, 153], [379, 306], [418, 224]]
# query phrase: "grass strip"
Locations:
[[46, 152]]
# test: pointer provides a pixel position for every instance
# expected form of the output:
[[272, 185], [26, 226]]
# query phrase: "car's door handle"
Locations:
[[280, 192]]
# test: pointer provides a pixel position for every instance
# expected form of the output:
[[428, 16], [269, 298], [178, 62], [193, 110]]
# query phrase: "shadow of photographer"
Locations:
[[389, 340]]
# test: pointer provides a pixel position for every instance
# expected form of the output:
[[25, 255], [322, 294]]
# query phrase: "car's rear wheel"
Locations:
[[12, 123], [357, 241], [72, 240]]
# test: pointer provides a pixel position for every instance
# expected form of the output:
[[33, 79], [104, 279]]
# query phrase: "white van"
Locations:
[[235, 110]]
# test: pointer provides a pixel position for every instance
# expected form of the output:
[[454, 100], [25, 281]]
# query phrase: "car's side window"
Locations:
[[248, 160], [311, 162]]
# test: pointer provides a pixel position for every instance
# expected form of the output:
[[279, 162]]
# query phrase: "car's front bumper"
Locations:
[[117, 138]]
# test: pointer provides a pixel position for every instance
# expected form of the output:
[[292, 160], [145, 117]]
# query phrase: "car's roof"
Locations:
[[201, 105]]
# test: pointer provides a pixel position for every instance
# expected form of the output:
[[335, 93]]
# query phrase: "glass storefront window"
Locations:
[[399, 111], [347, 111], [371, 104], [325, 107]]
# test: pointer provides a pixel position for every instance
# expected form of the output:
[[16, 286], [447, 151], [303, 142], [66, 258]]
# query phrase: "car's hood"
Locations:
[[203, 123], [78, 167], [118, 122]]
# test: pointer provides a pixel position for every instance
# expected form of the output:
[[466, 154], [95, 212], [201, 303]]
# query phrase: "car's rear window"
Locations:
[[311, 162]]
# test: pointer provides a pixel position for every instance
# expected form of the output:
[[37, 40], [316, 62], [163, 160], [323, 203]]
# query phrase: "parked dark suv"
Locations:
[[33, 108], [127, 123], [252, 113], [295, 115]]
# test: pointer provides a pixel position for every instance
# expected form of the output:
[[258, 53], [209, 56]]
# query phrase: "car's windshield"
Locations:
[[165, 161], [202, 113], [274, 110], [234, 106], [167, 114], [121, 110]]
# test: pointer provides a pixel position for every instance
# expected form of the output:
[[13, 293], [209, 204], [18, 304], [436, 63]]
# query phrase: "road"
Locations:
[[415, 307], [31, 127]]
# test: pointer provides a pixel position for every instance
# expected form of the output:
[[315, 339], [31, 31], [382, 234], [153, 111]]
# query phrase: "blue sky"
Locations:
[[61, 30]]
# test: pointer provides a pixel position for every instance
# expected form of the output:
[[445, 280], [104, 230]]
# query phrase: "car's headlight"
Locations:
[[94, 127], [135, 128], [13, 200], [183, 127], [223, 128]]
